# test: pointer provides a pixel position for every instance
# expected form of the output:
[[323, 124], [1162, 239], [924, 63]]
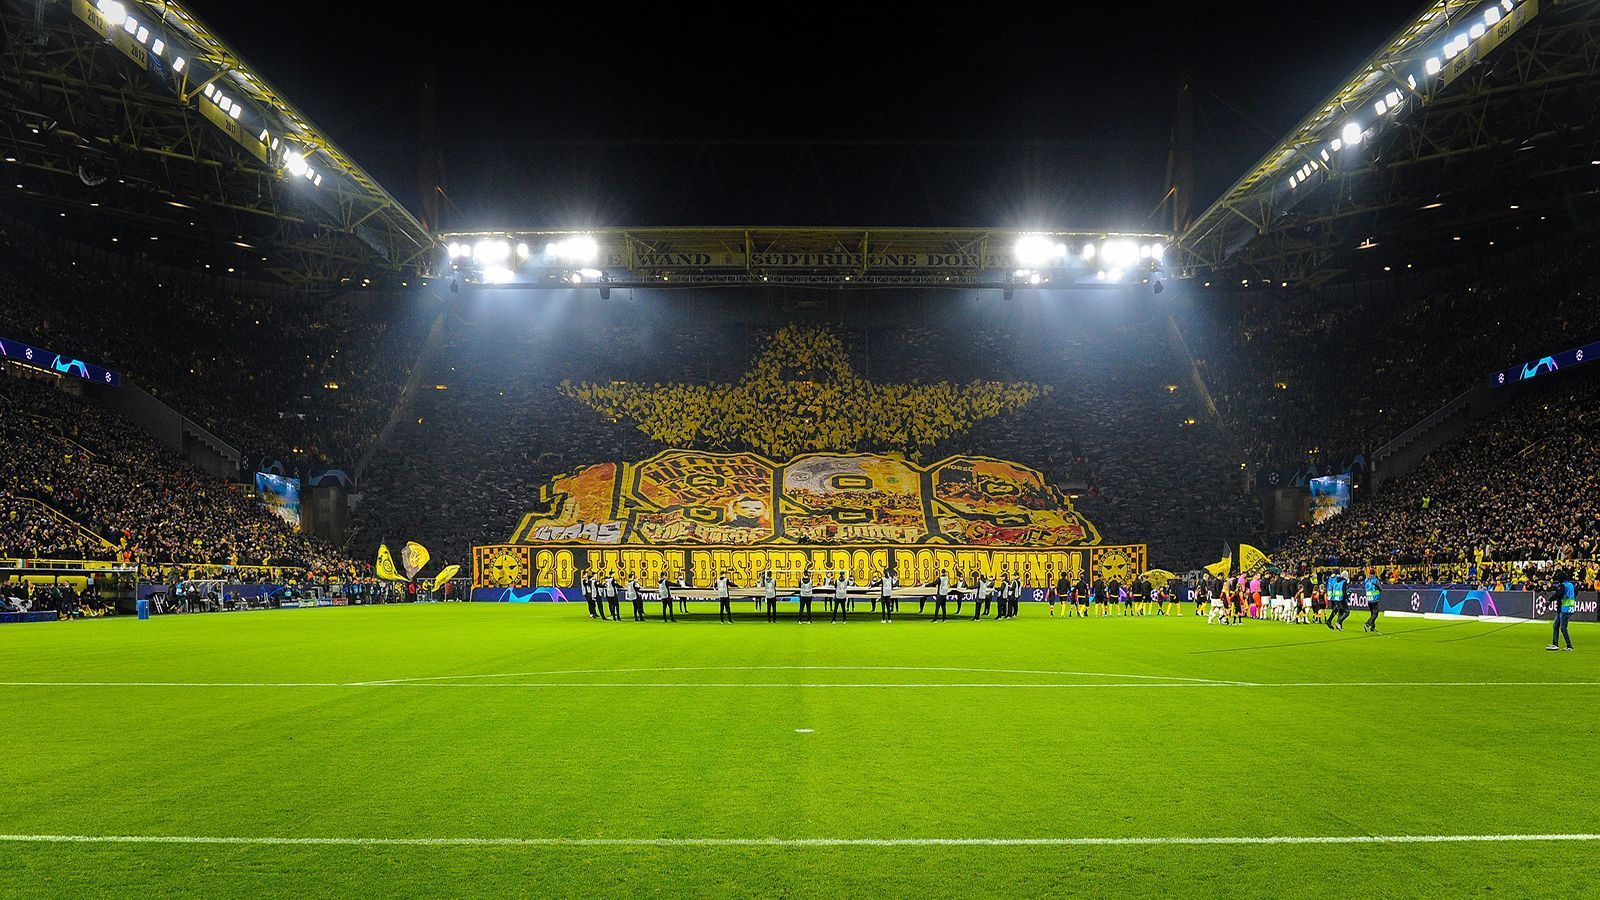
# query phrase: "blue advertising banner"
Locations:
[[39, 358], [1546, 365], [1459, 601]]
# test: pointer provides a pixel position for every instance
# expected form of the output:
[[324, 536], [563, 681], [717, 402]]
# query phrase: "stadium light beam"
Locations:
[[1351, 135], [1034, 250]]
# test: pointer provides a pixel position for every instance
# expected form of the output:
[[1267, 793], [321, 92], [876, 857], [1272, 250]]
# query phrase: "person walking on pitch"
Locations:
[[1338, 609], [886, 597], [1374, 588], [1565, 607]]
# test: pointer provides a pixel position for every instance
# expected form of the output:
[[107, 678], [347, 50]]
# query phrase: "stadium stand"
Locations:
[[252, 365], [79, 482], [1522, 486], [1309, 380], [1106, 419]]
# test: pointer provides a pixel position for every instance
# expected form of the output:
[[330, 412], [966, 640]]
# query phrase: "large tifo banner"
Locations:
[[281, 495], [518, 572], [682, 497]]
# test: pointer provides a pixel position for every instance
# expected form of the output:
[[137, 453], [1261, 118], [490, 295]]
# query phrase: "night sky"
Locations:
[[828, 115]]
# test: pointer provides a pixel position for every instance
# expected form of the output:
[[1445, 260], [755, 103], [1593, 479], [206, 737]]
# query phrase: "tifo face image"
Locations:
[[1154, 459]]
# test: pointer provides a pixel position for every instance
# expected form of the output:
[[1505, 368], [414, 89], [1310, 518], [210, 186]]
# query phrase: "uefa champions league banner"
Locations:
[[519, 572], [1453, 601]]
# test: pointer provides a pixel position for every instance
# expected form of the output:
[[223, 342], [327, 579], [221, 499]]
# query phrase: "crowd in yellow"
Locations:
[[802, 395]]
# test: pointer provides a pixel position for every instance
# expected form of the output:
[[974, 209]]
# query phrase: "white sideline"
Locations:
[[794, 669], [1080, 685], [795, 842]]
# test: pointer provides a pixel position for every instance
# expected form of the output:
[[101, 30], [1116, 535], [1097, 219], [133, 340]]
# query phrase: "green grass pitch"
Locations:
[[534, 722]]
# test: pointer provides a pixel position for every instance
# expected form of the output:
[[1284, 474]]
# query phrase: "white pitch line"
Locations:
[[797, 842], [797, 669], [1082, 685]]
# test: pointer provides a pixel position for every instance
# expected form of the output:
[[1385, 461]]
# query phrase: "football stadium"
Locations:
[[913, 453]]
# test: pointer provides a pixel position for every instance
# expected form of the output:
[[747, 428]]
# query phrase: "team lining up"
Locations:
[[1225, 601]]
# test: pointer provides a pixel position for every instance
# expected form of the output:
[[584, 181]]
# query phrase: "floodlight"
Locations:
[[1088, 250], [210, 89], [593, 274], [498, 275], [1476, 31], [522, 251], [1432, 66], [130, 24], [1119, 254], [1114, 275], [143, 36], [178, 64], [1351, 134], [491, 252], [1336, 144], [159, 47], [1033, 250], [1158, 252], [112, 10], [1324, 154], [1381, 107], [582, 248], [295, 163], [1491, 16], [237, 109]]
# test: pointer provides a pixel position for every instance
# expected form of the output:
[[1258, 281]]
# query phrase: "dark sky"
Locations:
[[978, 114]]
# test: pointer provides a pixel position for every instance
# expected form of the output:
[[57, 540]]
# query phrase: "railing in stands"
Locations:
[[1393, 445]]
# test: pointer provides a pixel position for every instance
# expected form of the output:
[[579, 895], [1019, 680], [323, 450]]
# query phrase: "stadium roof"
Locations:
[[116, 116], [1474, 127]]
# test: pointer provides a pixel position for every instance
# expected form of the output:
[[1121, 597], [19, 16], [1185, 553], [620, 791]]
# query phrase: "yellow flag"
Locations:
[[1158, 578], [1220, 567], [413, 556], [1251, 558], [385, 566], [447, 573]]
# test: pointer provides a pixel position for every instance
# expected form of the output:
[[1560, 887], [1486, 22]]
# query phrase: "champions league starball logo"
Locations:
[[1416, 602]]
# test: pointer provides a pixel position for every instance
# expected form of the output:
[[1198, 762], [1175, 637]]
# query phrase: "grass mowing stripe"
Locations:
[[799, 842], [796, 684]]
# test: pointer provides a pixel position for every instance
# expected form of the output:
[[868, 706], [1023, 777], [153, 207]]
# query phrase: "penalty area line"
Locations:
[[796, 842]]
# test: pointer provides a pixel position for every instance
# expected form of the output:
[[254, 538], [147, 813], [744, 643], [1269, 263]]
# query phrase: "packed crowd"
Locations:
[[801, 394], [280, 375], [77, 481], [1084, 391], [1316, 379], [1522, 485]]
